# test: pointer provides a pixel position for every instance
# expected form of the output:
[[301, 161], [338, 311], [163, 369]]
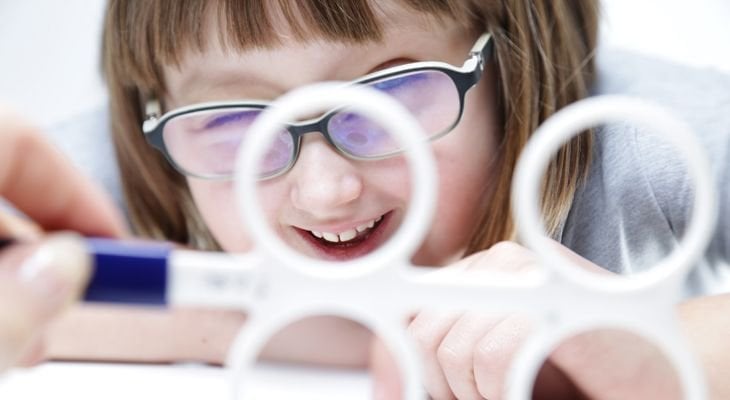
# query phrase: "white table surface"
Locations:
[[82, 381]]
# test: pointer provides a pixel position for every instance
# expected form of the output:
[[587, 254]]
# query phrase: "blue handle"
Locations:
[[128, 272]]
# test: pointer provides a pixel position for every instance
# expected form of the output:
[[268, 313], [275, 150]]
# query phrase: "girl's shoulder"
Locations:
[[636, 200]]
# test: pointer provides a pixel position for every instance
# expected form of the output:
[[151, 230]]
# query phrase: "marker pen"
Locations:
[[158, 274]]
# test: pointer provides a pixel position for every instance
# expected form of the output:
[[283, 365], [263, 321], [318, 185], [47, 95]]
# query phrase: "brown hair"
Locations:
[[544, 61]]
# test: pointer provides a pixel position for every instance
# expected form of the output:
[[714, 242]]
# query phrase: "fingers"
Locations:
[[576, 259], [13, 226], [494, 353], [449, 344], [387, 379], [467, 356], [428, 330], [457, 353], [39, 281], [503, 257], [38, 180]]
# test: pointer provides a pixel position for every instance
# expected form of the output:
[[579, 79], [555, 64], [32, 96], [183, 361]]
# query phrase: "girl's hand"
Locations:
[[467, 355], [40, 275]]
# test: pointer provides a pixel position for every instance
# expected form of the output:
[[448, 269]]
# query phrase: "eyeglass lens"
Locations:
[[205, 143]]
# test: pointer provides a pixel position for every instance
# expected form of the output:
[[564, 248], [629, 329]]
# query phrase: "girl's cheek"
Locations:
[[216, 203]]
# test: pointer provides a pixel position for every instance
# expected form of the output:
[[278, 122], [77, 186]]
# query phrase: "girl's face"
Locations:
[[327, 194]]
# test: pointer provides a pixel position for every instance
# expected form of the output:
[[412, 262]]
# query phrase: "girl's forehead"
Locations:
[[218, 73], [231, 50]]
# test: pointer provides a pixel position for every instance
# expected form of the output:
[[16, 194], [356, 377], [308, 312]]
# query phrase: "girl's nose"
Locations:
[[324, 181]]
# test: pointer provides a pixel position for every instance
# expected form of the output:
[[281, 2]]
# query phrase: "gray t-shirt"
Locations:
[[636, 202]]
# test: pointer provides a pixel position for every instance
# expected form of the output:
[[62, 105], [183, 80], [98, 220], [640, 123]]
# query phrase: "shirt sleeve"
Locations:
[[636, 204]]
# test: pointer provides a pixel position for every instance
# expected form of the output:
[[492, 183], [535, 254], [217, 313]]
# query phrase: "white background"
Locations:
[[49, 49]]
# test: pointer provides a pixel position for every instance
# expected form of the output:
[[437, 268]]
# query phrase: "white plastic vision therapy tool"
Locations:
[[277, 286], [563, 300]]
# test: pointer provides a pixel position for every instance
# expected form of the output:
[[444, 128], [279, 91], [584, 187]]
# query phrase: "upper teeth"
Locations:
[[348, 234]]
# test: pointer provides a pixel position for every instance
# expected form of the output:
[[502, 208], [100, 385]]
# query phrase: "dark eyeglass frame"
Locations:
[[464, 78]]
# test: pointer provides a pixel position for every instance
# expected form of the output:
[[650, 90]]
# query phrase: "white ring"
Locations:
[[251, 340], [382, 109], [588, 113]]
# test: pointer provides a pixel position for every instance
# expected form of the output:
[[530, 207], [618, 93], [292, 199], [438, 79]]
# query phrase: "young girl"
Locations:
[[535, 57]]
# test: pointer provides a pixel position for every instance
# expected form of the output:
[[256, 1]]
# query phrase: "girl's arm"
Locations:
[[156, 335]]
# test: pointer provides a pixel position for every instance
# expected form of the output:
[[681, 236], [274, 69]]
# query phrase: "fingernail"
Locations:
[[57, 270]]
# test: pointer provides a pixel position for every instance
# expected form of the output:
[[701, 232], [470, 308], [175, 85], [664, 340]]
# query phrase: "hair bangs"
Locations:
[[156, 33]]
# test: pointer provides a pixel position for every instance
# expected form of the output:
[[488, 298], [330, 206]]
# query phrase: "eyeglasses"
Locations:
[[202, 140]]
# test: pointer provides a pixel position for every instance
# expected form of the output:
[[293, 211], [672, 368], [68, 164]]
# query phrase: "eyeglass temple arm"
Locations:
[[152, 111], [479, 55]]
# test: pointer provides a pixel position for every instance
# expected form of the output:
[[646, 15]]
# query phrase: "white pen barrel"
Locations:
[[206, 279]]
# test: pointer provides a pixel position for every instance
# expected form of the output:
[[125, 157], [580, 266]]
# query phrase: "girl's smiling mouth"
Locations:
[[349, 235], [350, 243]]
